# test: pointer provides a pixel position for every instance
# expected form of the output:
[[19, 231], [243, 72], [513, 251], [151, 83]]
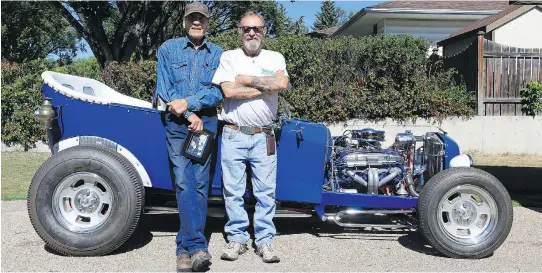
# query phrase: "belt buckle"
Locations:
[[246, 130]]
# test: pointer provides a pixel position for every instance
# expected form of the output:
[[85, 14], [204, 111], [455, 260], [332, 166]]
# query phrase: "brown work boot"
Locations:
[[201, 260], [184, 263]]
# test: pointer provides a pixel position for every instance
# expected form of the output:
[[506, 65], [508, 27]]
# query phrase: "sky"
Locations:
[[294, 10], [310, 8]]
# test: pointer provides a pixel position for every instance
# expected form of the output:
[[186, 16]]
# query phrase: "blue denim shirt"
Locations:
[[184, 72]]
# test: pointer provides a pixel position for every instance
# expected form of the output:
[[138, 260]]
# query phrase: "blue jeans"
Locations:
[[191, 184], [237, 150]]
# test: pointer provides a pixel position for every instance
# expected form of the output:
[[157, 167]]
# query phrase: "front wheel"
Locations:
[[85, 201], [465, 213]]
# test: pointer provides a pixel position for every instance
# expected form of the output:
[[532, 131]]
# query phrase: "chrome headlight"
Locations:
[[462, 160], [45, 114]]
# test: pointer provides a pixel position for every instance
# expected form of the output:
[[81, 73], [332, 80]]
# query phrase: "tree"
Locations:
[[299, 26], [225, 16], [116, 30], [122, 30], [32, 30], [345, 18], [328, 16]]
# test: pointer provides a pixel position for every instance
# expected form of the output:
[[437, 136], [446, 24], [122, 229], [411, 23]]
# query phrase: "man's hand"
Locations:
[[178, 107], [196, 125]]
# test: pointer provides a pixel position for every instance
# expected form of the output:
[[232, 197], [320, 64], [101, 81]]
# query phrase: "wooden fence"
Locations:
[[505, 71], [497, 73]]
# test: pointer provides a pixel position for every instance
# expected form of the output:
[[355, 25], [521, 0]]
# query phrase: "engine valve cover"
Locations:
[[364, 159]]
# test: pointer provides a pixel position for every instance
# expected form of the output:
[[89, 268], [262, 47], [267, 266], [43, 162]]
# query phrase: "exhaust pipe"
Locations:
[[394, 172], [372, 184], [374, 180], [410, 185], [356, 177]]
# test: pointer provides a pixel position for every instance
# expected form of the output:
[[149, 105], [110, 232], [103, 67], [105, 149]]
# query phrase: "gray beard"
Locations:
[[252, 47]]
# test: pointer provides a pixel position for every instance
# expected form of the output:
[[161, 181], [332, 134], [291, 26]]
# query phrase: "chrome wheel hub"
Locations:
[[86, 201], [82, 202], [467, 214], [464, 212]]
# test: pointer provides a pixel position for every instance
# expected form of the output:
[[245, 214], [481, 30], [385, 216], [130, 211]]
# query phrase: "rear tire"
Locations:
[[85, 201], [465, 213]]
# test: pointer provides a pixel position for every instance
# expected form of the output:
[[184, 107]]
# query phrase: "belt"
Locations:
[[249, 130]]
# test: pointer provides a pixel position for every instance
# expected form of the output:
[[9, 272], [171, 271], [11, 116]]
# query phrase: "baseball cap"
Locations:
[[196, 7]]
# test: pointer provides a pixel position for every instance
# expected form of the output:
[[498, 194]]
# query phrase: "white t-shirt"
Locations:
[[257, 111]]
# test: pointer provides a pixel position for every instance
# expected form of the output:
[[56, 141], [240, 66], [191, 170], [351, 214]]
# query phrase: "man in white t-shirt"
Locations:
[[251, 78]]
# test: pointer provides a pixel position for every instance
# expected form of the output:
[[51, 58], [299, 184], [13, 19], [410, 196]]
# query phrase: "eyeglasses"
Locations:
[[257, 29], [196, 17]]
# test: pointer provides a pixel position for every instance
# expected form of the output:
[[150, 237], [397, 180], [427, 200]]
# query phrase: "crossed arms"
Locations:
[[246, 87]]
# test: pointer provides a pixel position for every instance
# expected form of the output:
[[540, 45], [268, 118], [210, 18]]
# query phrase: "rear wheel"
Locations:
[[85, 201], [465, 213]]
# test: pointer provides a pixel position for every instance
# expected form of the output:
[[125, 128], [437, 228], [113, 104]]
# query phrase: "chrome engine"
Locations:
[[361, 165]]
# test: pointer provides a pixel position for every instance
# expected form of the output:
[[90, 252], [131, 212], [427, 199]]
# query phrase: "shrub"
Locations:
[[88, 68], [132, 79], [333, 80], [22, 95], [531, 98]]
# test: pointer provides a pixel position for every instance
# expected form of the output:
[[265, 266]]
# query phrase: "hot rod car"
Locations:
[[109, 165]]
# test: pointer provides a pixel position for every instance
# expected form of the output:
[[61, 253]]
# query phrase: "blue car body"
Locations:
[[110, 165], [303, 149]]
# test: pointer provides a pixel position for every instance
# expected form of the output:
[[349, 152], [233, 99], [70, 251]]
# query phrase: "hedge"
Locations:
[[531, 98], [333, 80]]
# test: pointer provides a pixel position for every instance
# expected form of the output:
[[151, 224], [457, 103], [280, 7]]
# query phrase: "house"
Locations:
[[434, 20], [516, 26], [497, 56]]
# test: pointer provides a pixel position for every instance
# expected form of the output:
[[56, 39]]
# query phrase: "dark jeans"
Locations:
[[192, 182]]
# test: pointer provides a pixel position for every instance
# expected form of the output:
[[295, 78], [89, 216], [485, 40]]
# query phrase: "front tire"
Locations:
[[85, 201], [465, 213]]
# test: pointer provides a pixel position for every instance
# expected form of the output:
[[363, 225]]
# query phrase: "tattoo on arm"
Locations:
[[244, 89], [244, 92], [266, 83]]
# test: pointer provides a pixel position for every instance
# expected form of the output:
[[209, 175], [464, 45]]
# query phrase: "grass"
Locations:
[[18, 168], [508, 160], [518, 172]]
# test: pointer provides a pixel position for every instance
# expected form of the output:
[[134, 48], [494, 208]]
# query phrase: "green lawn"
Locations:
[[18, 168], [519, 173]]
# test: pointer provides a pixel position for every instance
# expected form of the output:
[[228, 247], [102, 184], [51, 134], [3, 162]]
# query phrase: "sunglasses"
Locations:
[[257, 29]]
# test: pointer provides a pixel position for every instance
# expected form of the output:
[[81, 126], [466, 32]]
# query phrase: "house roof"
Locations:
[[326, 32], [448, 9], [489, 23], [443, 5]]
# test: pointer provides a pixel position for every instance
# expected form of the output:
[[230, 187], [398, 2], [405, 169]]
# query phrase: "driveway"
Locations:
[[301, 247]]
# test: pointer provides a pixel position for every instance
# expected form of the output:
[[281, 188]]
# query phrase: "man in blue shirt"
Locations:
[[184, 82]]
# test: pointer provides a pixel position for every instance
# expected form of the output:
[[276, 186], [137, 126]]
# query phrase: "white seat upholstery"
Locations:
[[88, 90]]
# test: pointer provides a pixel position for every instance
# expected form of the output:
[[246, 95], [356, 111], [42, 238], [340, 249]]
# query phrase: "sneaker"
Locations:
[[233, 250], [267, 254], [201, 260], [184, 263]]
